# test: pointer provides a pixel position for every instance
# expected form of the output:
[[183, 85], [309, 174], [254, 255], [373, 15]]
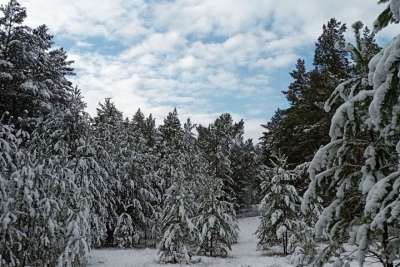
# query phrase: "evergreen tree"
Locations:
[[109, 127], [33, 75], [47, 201], [216, 223], [169, 148], [302, 128], [139, 178], [195, 163], [150, 132], [301, 83], [217, 141], [361, 163], [19, 200], [280, 222], [176, 225], [244, 164], [124, 234], [132, 174], [271, 137], [63, 144], [177, 200]]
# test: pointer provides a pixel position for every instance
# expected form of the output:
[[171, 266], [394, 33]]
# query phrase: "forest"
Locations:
[[325, 175]]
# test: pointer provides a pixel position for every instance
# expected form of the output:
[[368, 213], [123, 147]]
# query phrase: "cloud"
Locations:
[[204, 17], [203, 56], [157, 43], [76, 18]]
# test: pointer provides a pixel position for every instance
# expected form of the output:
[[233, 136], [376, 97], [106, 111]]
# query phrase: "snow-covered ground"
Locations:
[[244, 254]]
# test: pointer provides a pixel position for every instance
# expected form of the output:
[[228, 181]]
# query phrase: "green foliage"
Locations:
[[216, 222], [301, 129], [280, 208]]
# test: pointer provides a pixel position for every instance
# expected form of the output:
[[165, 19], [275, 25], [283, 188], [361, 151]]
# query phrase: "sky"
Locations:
[[204, 57]]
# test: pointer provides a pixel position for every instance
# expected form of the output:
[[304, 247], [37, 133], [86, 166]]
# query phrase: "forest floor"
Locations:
[[244, 254]]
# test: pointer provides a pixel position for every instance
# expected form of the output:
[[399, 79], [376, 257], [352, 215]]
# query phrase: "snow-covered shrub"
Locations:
[[124, 234], [305, 254]]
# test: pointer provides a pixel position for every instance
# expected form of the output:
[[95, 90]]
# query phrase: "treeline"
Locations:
[[70, 182], [326, 170], [333, 155]]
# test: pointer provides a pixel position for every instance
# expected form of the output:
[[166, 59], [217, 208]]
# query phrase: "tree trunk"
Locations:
[[285, 243], [385, 242]]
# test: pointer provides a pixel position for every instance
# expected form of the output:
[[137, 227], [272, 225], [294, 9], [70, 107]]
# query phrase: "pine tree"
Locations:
[[176, 220], [244, 164], [216, 141], [301, 129], [280, 222], [49, 186], [271, 137], [132, 174], [109, 127], [177, 200], [73, 179], [19, 203], [140, 175], [150, 132], [216, 223], [301, 82], [169, 148], [124, 234], [360, 163], [33, 75], [195, 163]]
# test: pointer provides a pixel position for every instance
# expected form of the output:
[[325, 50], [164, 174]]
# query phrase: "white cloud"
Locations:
[[202, 17], [186, 53], [253, 129], [77, 18], [276, 62], [156, 43]]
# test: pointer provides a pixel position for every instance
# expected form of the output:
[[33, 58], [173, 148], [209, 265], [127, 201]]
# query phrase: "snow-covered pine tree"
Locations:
[[29, 233], [111, 132], [132, 173], [178, 205], [33, 75], [360, 164], [150, 132], [23, 230], [216, 223], [215, 218], [301, 129], [125, 235], [280, 208], [46, 200], [216, 141], [195, 163], [244, 164], [169, 149], [91, 176], [381, 174], [71, 179], [137, 124], [138, 177], [177, 228]]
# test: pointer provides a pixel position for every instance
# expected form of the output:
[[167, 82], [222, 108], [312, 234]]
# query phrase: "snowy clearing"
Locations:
[[244, 254]]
